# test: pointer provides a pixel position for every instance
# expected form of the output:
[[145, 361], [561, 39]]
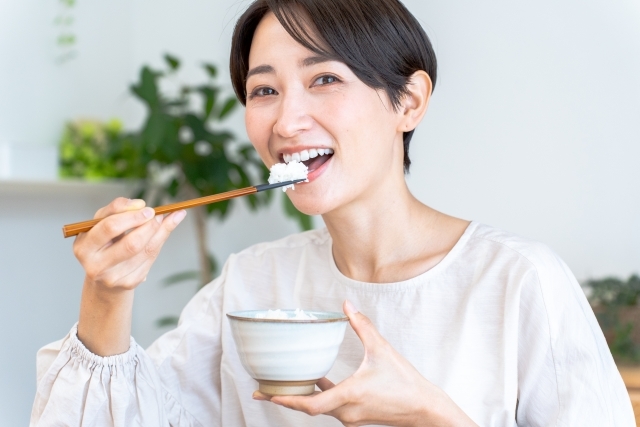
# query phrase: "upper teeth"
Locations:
[[306, 154]]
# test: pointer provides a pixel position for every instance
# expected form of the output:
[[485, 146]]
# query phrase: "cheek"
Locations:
[[360, 122], [259, 129]]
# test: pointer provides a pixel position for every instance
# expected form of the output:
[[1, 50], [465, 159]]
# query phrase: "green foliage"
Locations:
[[66, 38], [608, 296], [87, 150], [179, 137], [167, 321], [172, 61], [179, 153]]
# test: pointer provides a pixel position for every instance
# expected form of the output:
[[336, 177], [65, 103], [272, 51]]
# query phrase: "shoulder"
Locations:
[[509, 242], [545, 283], [512, 249], [532, 269]]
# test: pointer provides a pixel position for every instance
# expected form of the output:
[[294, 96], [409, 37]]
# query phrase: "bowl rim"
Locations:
[[235, 316]]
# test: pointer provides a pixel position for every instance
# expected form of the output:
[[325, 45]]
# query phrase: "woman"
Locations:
[[465, 325]]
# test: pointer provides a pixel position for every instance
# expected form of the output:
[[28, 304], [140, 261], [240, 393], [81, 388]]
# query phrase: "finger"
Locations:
[[167, 225], [114, 261], [114, 225], [107, 232], [318, 403], [124, 264], [131, 272], [324, 384], [362, 326], [145, 241], [118, 205], [258, 395], [127, 275]]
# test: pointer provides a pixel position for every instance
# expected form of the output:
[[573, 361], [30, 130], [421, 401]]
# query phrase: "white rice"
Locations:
[[281, 172], [281, 315]]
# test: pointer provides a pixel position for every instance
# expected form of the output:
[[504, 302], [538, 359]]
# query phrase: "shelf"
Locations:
[[63, 187]]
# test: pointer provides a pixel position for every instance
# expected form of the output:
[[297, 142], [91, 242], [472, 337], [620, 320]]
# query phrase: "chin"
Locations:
[[309, 203]]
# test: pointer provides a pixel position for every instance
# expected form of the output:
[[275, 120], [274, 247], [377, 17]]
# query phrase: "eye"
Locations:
[[325, 80], [262, 91]]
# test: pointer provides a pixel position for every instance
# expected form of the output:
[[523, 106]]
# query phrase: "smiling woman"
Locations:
[[301, 101], [468, 325], [383, 56]]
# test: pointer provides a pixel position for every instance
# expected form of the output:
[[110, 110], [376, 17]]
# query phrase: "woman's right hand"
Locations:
[[114, 261], [116, 255]]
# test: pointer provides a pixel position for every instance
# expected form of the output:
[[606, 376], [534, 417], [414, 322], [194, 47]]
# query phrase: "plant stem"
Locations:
[[200, 218]]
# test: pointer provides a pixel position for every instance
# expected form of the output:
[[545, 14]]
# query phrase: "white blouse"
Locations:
[[500, 324]]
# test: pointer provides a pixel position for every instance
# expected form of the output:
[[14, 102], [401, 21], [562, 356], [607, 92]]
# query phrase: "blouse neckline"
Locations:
[[405, 284]]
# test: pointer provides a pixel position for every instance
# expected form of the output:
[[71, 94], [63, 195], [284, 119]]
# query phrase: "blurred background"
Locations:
[[534, 127]]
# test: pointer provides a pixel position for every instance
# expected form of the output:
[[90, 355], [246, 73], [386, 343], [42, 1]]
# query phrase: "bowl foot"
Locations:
[[287, 388]]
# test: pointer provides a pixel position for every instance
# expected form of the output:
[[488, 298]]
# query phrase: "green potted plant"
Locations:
[[180, 152], [615, 303]]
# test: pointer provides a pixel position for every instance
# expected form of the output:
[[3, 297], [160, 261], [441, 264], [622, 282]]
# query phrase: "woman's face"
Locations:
[[299, 104]]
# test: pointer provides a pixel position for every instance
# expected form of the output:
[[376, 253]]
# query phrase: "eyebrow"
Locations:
[[313, 60], [260, 69], [307, 62]]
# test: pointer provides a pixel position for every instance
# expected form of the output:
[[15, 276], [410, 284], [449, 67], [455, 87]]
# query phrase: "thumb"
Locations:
[[362, 325]]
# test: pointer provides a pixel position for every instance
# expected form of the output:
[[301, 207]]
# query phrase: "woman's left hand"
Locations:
[[386, 389]]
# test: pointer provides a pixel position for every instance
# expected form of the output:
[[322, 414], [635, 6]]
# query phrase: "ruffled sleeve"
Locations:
[[77, 387], [176, 382]]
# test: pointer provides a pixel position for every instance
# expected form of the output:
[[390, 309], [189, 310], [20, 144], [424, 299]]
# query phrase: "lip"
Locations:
[[312, 176]]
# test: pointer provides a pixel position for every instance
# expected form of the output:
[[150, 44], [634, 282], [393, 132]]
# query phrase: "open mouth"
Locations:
[[312, 158]]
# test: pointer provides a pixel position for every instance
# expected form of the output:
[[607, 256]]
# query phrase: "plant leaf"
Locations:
[[210, 94], [167, 321], [228, 107], [147, 89], [172, 61], [211, 69]]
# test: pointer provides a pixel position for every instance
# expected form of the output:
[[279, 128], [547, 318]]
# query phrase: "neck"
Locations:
[[387, 235]]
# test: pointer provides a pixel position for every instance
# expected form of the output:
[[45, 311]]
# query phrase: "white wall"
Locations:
[[37, 93], [535, 124], [533, 127]]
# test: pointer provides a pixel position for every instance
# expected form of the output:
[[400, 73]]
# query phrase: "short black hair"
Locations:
[[379, 40]]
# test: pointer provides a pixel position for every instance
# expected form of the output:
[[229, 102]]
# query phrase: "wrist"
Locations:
[[104, 326]]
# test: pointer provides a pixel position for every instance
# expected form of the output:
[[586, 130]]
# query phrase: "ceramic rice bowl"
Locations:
[[287, 357]]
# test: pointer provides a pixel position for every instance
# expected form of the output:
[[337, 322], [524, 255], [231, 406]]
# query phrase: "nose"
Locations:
[[293, 118]]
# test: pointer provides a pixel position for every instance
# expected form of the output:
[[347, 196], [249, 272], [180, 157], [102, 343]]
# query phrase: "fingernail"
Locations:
[[179, 216], [148, 212], [159, 218], [350, 307], [135, 203]]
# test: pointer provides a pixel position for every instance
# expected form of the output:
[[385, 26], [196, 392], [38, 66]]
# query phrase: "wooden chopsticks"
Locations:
[[84, 226]]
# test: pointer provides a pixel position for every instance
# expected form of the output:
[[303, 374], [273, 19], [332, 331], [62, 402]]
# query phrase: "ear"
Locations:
[[415, 102]]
